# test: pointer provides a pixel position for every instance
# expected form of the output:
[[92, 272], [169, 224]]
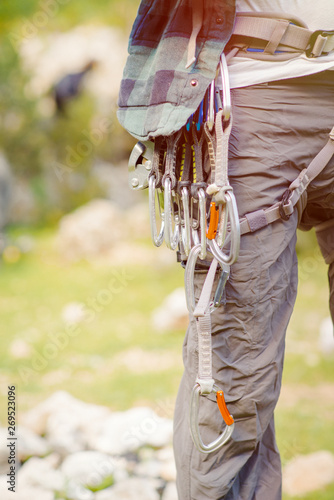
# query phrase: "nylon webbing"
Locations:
[[203, 323], [279, 33], [221, 169], [261, 218], [197, 21]]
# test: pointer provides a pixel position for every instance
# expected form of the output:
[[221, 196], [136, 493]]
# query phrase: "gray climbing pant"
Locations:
[[278, 128]]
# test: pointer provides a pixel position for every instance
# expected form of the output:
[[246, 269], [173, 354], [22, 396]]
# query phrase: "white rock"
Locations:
[[73, 313], [168, 470], [124, 432], [165, 454], [20, 349], [60, 408], [54, 460], [172, 313], [30, 444], [160, 464], [146, 454], [165, 457], [92, 468], [170, 492], [75, 491], [38, 473], [26, 493], [91, 230], [326, 337], [132, 489], [148, 468], [308, 473]]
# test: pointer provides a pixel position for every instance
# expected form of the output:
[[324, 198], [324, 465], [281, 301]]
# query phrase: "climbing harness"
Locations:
[[272, 36], [191, 203]]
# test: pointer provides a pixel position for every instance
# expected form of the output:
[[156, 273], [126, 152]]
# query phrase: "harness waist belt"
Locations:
[[271, 32]]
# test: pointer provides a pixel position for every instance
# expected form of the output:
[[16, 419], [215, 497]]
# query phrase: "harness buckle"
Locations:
[[317, 44], [284, 202]]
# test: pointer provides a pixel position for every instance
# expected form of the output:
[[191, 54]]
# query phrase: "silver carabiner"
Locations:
[[194, 423], [189, 280], [211, 112], [140, 165], [202, 222], [189, 277], [171, 236], [233, 216], [185, 232], [227, 106], [156, 238]]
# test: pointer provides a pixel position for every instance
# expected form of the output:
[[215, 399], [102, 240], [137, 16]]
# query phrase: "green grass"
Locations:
[[30, 16], [36, 286], [118, 304]]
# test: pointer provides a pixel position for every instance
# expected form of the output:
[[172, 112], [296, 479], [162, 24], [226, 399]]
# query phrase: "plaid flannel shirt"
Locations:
[[157, 93]]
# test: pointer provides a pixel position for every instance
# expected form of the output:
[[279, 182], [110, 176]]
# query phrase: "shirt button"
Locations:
[[194, 83], [219, 20]]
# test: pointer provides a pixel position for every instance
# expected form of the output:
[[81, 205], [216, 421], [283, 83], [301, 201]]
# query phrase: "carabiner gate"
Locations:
[[171, 236], [156, 238], [233, 218]]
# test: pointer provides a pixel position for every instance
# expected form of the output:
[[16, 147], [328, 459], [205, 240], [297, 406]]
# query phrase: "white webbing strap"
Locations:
[[203, 323], [261, 218], [218, 188], [197, 21]]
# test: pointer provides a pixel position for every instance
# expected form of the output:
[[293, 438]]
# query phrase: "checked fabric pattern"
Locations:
[[158, 93]]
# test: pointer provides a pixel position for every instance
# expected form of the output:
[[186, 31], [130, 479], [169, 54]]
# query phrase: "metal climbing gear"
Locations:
[[205, 384], [140, 164], [189, 192]]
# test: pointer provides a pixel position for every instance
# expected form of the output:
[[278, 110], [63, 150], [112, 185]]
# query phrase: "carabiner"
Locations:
[[233, 216], [156, 238], [171, 236], [194, 424], [202, 222], [185, 232], [211, 113], [189, 279], [225, 88], [140, 164]]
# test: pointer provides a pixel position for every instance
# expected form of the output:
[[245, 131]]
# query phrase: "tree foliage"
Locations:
[[55, 153]]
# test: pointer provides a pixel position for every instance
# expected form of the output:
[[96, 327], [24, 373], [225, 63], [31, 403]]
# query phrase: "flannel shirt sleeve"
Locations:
[[157, 93]]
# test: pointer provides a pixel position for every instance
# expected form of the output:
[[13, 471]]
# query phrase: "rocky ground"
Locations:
[[68, 449]]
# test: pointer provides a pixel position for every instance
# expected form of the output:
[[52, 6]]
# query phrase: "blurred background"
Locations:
[[87, 305]]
